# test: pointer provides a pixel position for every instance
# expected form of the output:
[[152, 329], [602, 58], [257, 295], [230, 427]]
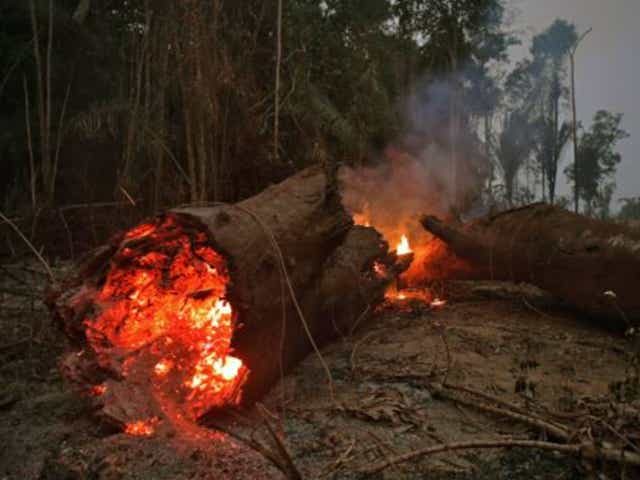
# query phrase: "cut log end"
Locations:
[[205, 307]]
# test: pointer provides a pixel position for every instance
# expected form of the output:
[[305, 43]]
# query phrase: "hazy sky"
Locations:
[[607, 69]]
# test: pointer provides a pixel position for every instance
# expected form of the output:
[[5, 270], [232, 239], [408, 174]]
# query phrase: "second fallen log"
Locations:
[[591, 264]]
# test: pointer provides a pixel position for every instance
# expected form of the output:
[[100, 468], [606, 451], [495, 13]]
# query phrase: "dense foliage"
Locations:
[[166, 102]]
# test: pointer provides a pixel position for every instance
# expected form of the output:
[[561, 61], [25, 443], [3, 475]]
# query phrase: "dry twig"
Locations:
[[290, 468], [255, 445]]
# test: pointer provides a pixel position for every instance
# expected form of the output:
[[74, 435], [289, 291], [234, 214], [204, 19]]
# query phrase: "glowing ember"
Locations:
[[141, 428], [229, 368], [140, 231], [98, 390], [403, 247], [417, 295], [163, 322], [163, 367], [380, 269]]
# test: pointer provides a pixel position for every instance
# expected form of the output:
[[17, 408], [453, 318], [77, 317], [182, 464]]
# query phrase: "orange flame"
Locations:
[[403, 247], [361, 219]]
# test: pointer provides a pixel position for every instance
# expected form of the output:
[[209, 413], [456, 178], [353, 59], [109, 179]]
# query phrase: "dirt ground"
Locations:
[[388, 397]]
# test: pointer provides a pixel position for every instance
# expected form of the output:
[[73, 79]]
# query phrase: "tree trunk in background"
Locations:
[[43, 86], [276, 117], [574, 128], [136, 121], [160, 121], [81, 11], [576, 258]]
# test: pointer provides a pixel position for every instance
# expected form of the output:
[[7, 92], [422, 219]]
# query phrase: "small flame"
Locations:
[[141, 428], [403, 247], [412, 295], [361, 219]]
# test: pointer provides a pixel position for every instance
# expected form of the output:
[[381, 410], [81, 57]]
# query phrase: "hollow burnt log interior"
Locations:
[[191, 311]]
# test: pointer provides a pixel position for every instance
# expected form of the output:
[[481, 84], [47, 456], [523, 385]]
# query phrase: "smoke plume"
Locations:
[[434, 167]]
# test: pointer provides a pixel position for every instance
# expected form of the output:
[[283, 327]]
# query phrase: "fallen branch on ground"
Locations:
[[580, 450], [503, 403], [290, 468], [556, 431]]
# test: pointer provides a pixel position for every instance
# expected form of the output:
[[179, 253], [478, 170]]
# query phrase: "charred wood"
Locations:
[[591, 264]]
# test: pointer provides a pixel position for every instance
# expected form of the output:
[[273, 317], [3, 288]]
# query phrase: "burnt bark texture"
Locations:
[[575, 258], [299, 226], [328, 262]]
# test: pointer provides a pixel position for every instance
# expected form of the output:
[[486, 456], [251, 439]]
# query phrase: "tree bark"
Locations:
[[573, 257]]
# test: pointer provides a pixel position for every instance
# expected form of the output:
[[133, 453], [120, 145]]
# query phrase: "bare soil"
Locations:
[[387, 397]]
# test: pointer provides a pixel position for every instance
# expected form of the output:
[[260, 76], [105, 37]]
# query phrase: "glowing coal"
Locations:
[[142, 428], [163, 315]]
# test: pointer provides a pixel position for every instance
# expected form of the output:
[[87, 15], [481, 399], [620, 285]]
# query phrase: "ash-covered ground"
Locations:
[[387, 397]]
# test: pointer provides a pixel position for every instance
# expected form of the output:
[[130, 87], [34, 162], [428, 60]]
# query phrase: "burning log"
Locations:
[[205, 307], [591, 264]]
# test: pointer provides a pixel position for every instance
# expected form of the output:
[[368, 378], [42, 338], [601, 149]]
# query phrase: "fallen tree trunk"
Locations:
[[573, 257], [290, 263]]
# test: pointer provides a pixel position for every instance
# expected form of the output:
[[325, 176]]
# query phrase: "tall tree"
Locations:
[[512, 150], [550, 51], [598, 161]]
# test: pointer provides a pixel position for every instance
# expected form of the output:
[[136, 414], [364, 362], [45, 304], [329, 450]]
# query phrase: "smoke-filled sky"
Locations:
[[607, 69]]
